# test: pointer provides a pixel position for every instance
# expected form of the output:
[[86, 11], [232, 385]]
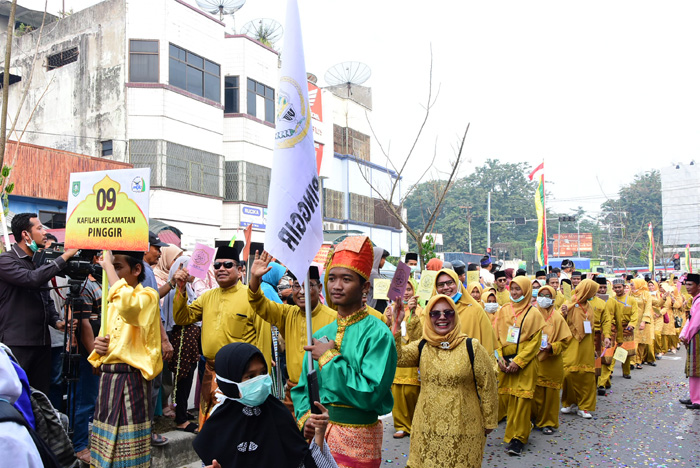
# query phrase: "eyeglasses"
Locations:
[[501, 280], [227, 265], [448, 284], [438, 313]]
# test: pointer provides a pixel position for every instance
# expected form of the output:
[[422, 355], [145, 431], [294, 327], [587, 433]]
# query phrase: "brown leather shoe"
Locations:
[[83, 455]]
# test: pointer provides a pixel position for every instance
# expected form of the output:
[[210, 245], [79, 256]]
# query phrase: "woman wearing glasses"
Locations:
[[457, 405], [519, 332], [473, 320]]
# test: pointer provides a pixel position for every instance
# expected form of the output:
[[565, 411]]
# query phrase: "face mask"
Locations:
[[254, 392], [517, 300], [405, 302], [653, 293], [457, 297], [544, 302], [535, 292], [33, 247], [491, 307]]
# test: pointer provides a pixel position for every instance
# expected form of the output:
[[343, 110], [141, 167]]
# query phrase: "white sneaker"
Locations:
[[569, 409], [584, 414]]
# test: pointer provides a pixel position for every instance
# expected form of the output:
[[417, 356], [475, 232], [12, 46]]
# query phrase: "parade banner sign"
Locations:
[[108, 210], [201, 260], [381, 288]]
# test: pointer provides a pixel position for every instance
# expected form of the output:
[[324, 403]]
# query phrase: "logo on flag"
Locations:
[[292, 114], [76, 188]]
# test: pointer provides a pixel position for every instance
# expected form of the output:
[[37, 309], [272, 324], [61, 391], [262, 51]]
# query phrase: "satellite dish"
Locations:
[[264, 30], [349, 73], [222, 7]]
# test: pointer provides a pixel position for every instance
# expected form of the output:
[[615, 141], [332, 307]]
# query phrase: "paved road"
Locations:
[[639, 424]]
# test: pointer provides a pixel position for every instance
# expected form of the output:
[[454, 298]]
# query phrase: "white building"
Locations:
[[160, 84]]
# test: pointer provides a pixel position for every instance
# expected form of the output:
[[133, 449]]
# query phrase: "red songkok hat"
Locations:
[[354, 253]]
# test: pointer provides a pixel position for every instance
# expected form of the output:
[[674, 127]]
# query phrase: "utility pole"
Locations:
[[469, 224], [559, 241], [488, 223], [578, 237]]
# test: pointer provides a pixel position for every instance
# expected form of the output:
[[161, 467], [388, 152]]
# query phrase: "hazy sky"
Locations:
[[599, 90]]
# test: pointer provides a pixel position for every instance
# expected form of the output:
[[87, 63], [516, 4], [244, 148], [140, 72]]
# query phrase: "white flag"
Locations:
[[294, 232]]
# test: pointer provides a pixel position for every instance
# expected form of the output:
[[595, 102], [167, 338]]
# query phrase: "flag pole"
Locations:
[[309, 330]]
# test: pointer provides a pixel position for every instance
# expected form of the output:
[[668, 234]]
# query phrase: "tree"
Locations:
[[626, 219], [439, 188], [511, 197]]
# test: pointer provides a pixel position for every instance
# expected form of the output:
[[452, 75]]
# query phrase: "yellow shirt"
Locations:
[[291, 322], [133, 326], [226, 318]]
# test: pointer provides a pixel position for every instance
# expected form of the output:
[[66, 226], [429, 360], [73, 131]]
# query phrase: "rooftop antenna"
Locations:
[[222, 7], [348, 73], [264, 30]]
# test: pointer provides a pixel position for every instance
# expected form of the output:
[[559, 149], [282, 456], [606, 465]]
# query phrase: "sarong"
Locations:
[[121, 430], [356, 447], [692, 364]]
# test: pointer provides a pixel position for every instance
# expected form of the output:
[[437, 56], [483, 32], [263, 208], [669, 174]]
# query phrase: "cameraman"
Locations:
[[24, 314]]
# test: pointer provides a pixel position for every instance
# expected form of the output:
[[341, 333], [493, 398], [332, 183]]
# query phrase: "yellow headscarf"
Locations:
[[466, 298], [508, 313], [477, 286], [454, 337], [577, 315], [488, 293], [553, 292], [639, 286]]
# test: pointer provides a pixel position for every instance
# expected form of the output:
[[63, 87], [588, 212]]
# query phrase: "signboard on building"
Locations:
[[316, 106], [255, 215], [108, 210], [567, 245]]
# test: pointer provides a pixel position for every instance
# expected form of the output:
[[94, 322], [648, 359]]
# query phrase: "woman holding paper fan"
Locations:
[[458, 401], [550, 371], [406, 386]]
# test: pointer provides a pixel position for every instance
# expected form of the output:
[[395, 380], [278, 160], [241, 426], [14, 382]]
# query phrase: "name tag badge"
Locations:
[[513, 334], [543, 344], [403, 329], [587, 327]]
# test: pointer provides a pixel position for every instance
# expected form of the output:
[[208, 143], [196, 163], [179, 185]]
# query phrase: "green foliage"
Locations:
[[23, 29], [511, 197], [428, 248]]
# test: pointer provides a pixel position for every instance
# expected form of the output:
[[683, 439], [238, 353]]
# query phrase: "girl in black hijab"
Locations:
[[252, 428]]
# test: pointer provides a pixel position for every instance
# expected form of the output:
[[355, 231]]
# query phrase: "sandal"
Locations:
[[83, 455], [158, 440], [638, 366], [547, 431], [191, 427], [400, 435]]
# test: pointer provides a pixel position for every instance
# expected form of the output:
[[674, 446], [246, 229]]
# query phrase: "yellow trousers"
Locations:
[[502, 406], [660, 343], [545, 407], [579, 389], [405, 399], [672, 341], [645, 353], [605, 372], [518, 425]]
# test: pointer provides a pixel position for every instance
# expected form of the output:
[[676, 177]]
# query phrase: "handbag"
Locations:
[[678, 322], [667, 319]]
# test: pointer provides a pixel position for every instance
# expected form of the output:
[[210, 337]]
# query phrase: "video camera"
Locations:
[[77, 268]]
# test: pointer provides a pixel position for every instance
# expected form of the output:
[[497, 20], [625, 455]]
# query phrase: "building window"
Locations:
[[52, 220], [106, 148], [195, 74], [361, 208], [333, 204], [231, 96], [383, 216], [62, 58], [143, 61], [349, 141], [232, 180], [267, 94], [247, 182]]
